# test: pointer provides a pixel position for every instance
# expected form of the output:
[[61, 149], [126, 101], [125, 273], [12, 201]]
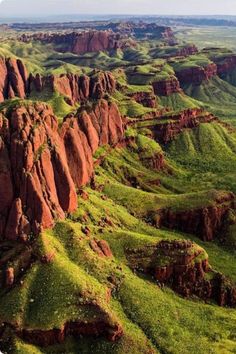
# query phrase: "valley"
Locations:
[[117, 188]]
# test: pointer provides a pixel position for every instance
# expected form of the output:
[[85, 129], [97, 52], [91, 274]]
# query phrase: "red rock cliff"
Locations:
[[225, 66], [82, 42], [183, 266], [207, 222], [76, 88], [166, 87], [196, 75], [166, 128], [41, 167], [13, 79]]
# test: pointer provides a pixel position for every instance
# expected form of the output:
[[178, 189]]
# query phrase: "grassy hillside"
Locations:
[[69, 280]]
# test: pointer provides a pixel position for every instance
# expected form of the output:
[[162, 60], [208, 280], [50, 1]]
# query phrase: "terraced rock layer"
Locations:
[[74, 87], [207, 222], [16, 82], [184, 267], [166, 87], [81, 42], [196, 75], [174, 124]]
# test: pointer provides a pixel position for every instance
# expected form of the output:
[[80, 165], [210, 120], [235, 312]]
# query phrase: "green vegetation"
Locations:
[[197, 60], [68, 281]]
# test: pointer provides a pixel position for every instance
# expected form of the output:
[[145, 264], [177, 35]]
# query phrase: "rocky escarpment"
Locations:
[[16, 82], [74, 87], [55, 336], [183, 51], [197, 74], [225, 65], [207, 222], [187, 50], [81, 42], [184, 267], [147, 99], [41, 167], [141, 30], [168, 127], [13, 79], [166, 87]]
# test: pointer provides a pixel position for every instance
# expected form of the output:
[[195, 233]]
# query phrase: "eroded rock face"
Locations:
[[13, 79], [189, 118], [74, 87], [96, 328], [187, 50], [197, 75], [183, 266], [16, 82], [225, 66], [166, 87], [81, 42], [207, 222], [147, 99], [40, 167], [37, 168]]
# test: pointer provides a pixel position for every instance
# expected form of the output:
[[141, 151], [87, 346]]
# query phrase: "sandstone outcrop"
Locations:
[[82, 42], [101, 247], [41, 167], [74, 87], [183, 266], [13, 79], [95, 328], [156, 162], [16, 82], [147, 99], [207, 222], [173, 125], [166, 87], [197, 74], [226, 65], [187, 50]]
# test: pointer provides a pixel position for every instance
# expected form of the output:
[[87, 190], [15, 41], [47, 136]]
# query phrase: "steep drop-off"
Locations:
[[81, 42], [41, 166]]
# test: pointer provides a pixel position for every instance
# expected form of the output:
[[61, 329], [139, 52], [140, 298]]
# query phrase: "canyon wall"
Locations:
[[13, 78], [225, 66], [41, 166], [165, 129], [196, 74], [166, 87], [16, 82], [207, 222], [82, 42], [76, 88], [184, 267]]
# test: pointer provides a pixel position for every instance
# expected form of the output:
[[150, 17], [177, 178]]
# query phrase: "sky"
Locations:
[[153, 7]]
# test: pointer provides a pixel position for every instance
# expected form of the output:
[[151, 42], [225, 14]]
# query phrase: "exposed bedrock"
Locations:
[[147, 99], [82, 42], [16, 82], [167, 128], [94, 328], [41, 167], [184, 267], [207, 222], [197, 74], [13, 79], [74, 87], [225, 66], [167, 86]]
